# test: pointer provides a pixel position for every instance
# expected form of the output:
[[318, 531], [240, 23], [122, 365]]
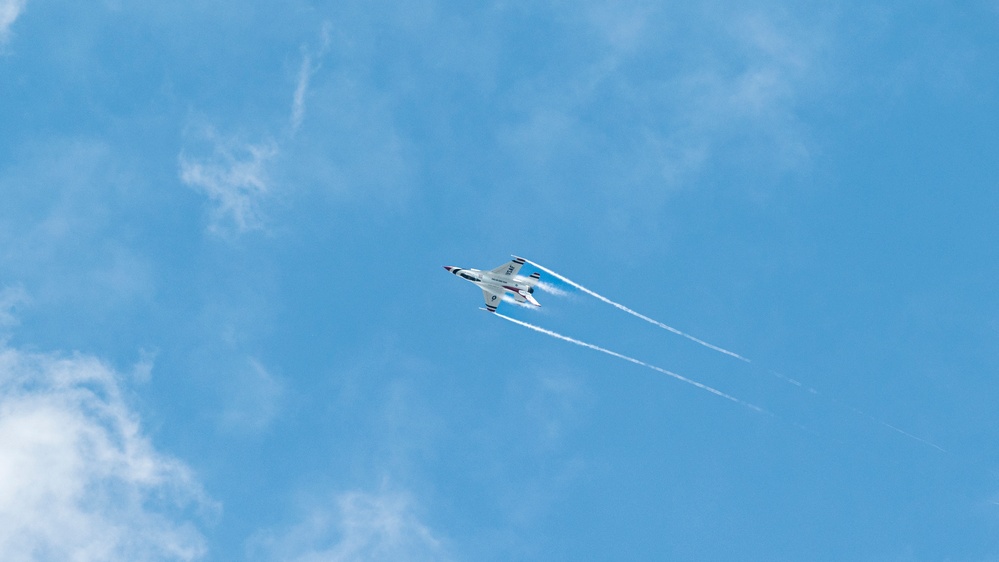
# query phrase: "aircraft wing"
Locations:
[[510, 268], [493, 298]]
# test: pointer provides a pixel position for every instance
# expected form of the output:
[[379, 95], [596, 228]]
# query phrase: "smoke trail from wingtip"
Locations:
[[718, 392], [857, 411], [785, 378], [796, 383], [636, 314], [889, 426], [907, 434], [681, 378]]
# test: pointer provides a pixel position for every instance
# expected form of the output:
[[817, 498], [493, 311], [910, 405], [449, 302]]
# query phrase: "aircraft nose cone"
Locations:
[[448, 267]]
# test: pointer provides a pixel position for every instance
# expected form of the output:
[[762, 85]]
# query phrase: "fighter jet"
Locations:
[[497, 282]]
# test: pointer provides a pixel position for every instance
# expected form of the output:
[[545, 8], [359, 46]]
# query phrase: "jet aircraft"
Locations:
[[504, 279]]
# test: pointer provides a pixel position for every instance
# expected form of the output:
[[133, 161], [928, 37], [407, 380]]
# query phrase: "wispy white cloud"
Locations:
[[298, 100], [356, 151], [254, 400], [61, 225], [755, 93], [310, 65], [233, 174], [555, 403], [10, 299], [142, 370], [359, 526], [680, 104], [78, 478], [9, 12]]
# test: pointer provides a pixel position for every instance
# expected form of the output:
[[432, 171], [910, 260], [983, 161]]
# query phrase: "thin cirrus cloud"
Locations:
[[305, 72], [676, 98], [11, 298], [311, 63], [233, 175], [9, 12], [370, 526], [255, 399], [757, 93], [78, 478]]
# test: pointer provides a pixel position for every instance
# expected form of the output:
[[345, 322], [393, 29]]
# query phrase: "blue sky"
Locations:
[[225, 333]]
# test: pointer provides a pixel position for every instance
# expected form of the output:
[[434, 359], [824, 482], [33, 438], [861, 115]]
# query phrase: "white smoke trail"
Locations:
[[515, 302], [633, 360], [636, 314], [787, 379], [857, 411], [718, 392], [551, 289], [906, 433]]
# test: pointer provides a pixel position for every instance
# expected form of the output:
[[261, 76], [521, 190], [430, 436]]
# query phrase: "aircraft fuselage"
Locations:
[[496, 283]]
